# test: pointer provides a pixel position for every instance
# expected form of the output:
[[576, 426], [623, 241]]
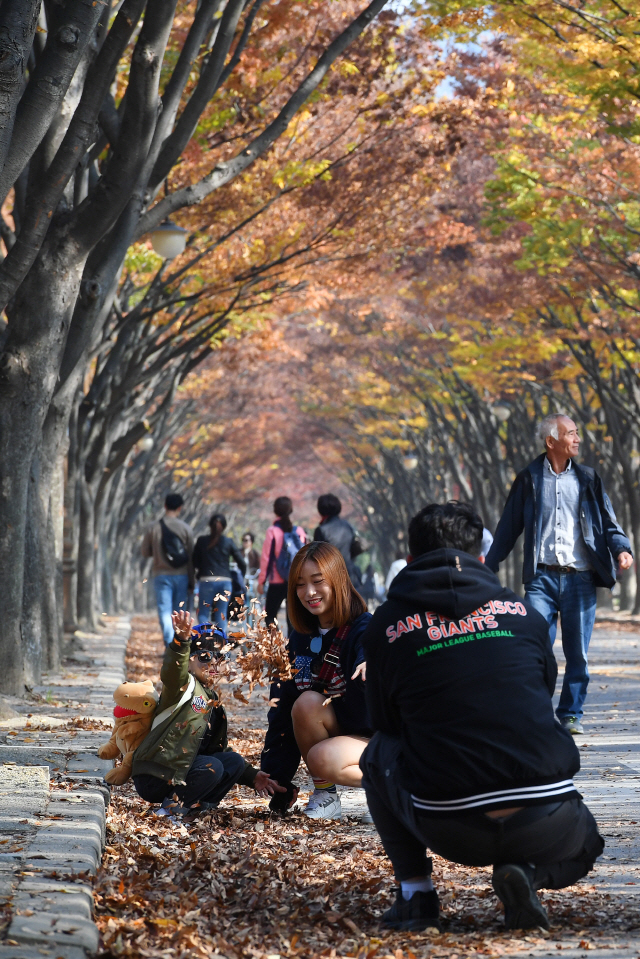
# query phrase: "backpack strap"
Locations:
[[170, 710], [272, 554]]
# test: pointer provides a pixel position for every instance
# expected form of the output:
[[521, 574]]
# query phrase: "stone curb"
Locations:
[[53, 814]]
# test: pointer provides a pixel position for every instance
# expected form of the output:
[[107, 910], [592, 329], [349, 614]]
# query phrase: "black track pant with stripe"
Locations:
[[559, 838]]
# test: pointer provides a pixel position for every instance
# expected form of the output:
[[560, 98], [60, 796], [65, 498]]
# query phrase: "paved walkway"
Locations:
[[610, 751], [609, 780], [52, 802]]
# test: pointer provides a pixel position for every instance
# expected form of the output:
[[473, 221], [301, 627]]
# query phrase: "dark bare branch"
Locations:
[[18, 20], [40, 102], [175, 87], [100, 212], [225, 172], [42, 204], [206, 88]]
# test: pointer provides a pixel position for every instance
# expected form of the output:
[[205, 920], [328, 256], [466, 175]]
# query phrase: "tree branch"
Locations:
[[225, 172], [98, 214], [206, 88], [40, 206], [48, 85], [18, 20], [175, 87]]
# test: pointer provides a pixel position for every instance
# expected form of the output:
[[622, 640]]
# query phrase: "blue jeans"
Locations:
[[573, 596], [171, 590], [217, 614]]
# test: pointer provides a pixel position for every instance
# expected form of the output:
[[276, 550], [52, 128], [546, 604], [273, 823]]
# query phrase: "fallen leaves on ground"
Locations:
[[88, 723], [617, 625], [241, 883]]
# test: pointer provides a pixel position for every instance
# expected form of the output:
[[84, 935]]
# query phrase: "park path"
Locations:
[[53, 799], [609, 780], [328, 882], [52, 831], [610, 754]]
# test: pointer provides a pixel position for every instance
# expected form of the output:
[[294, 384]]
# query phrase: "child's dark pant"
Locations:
[[209, 780]]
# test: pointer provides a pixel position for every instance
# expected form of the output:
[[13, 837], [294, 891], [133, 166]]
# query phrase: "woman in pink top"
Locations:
[[271, 549]]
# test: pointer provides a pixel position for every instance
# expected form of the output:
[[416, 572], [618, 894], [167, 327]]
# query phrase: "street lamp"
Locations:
[[169, 240], [501, 412], [410, 461], [146, 444]]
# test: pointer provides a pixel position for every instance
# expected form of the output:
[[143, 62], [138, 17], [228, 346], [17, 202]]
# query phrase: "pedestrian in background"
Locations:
[[339, 533], [251, 557], [282, 542], [169, 542], [211, 558], [572, 543], [399, 563], [368, 588]]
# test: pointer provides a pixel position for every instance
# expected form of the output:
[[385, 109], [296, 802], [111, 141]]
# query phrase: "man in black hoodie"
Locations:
[[468, 759]]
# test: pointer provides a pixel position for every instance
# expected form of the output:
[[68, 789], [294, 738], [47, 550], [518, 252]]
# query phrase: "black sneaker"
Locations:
[[418, 913], [513, 886], [281, 802]]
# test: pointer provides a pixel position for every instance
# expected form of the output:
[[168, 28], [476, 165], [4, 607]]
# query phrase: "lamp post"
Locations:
[[146, 444], [410, 461], [169, 240], [501, 412]]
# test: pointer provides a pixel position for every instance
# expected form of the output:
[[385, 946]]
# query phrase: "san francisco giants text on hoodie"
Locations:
[[462, 671]]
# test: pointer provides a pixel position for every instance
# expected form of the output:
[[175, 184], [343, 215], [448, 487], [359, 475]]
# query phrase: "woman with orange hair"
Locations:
[[321, 713]]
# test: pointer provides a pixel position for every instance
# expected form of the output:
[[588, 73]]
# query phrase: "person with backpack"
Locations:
[[211, 561], [282, 542], [169, 542], [341, 534], [320, 714]]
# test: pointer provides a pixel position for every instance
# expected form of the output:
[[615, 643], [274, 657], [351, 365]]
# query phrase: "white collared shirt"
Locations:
[[561, 543]]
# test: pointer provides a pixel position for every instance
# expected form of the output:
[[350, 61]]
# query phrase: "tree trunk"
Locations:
[[42, 590], [635, 534], [32, 605], [38, 325], [605, 598], [18, 20], [71, 528], [86, 558], [52, 457]]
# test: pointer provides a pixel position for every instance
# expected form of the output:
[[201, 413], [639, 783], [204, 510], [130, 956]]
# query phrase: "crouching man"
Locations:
[[468, 759]]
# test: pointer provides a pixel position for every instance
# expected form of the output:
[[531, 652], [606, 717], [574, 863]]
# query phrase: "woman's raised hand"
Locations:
[[182, 625]]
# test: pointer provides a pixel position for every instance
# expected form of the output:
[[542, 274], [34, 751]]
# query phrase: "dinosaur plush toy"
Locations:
[[135, 706]]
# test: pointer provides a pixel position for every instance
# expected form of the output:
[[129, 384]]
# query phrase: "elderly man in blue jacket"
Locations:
[[572, 543]]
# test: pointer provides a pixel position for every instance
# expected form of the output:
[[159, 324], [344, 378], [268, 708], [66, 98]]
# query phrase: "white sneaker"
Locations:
[[323, 805]]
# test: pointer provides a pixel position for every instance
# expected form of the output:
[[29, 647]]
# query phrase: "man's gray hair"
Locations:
[[548, 427]]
